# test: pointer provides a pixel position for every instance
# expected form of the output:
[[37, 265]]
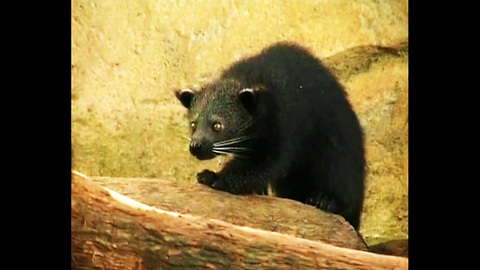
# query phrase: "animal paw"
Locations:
[[206, 177], [209, 178], [323, 202]]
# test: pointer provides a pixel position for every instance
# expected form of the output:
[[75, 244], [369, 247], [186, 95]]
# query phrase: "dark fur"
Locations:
[[301, 136]]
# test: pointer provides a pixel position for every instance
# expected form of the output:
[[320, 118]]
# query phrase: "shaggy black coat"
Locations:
[[289, 126]]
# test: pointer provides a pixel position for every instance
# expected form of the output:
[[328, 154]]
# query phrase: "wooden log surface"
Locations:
[[192, 226], [262, 212]]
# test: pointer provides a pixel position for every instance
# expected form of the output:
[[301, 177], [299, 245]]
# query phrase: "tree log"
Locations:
[[111, 231], [261, 212]]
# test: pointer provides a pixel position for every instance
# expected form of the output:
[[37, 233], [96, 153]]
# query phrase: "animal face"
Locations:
[[220, 116]]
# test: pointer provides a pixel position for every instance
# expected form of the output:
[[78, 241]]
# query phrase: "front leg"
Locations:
[[323, 202], [233, 180], [211, 179]]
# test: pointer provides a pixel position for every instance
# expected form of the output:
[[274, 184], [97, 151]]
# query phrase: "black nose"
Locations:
[[195, 148]]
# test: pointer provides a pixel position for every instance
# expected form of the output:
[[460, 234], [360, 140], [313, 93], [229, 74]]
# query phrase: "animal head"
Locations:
[[221, 116]]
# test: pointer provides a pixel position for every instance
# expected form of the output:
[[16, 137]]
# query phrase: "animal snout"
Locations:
[[201, 149], [195, 147]]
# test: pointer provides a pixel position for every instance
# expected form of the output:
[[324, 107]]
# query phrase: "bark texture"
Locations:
[[111, 231]]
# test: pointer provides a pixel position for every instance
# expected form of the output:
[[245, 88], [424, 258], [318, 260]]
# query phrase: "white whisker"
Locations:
[[233, 141], [186, 137], [247, 124], [235, 155], [220, 152], [232, 148]]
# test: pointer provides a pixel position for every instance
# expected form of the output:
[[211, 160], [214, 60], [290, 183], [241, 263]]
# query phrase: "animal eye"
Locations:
[[193, 126], [217, 127]]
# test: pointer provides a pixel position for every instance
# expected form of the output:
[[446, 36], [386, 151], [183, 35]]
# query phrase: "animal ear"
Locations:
[[185, 96], [248, 100]]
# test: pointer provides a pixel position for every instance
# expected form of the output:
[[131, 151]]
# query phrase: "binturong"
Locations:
[[289, 128]]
